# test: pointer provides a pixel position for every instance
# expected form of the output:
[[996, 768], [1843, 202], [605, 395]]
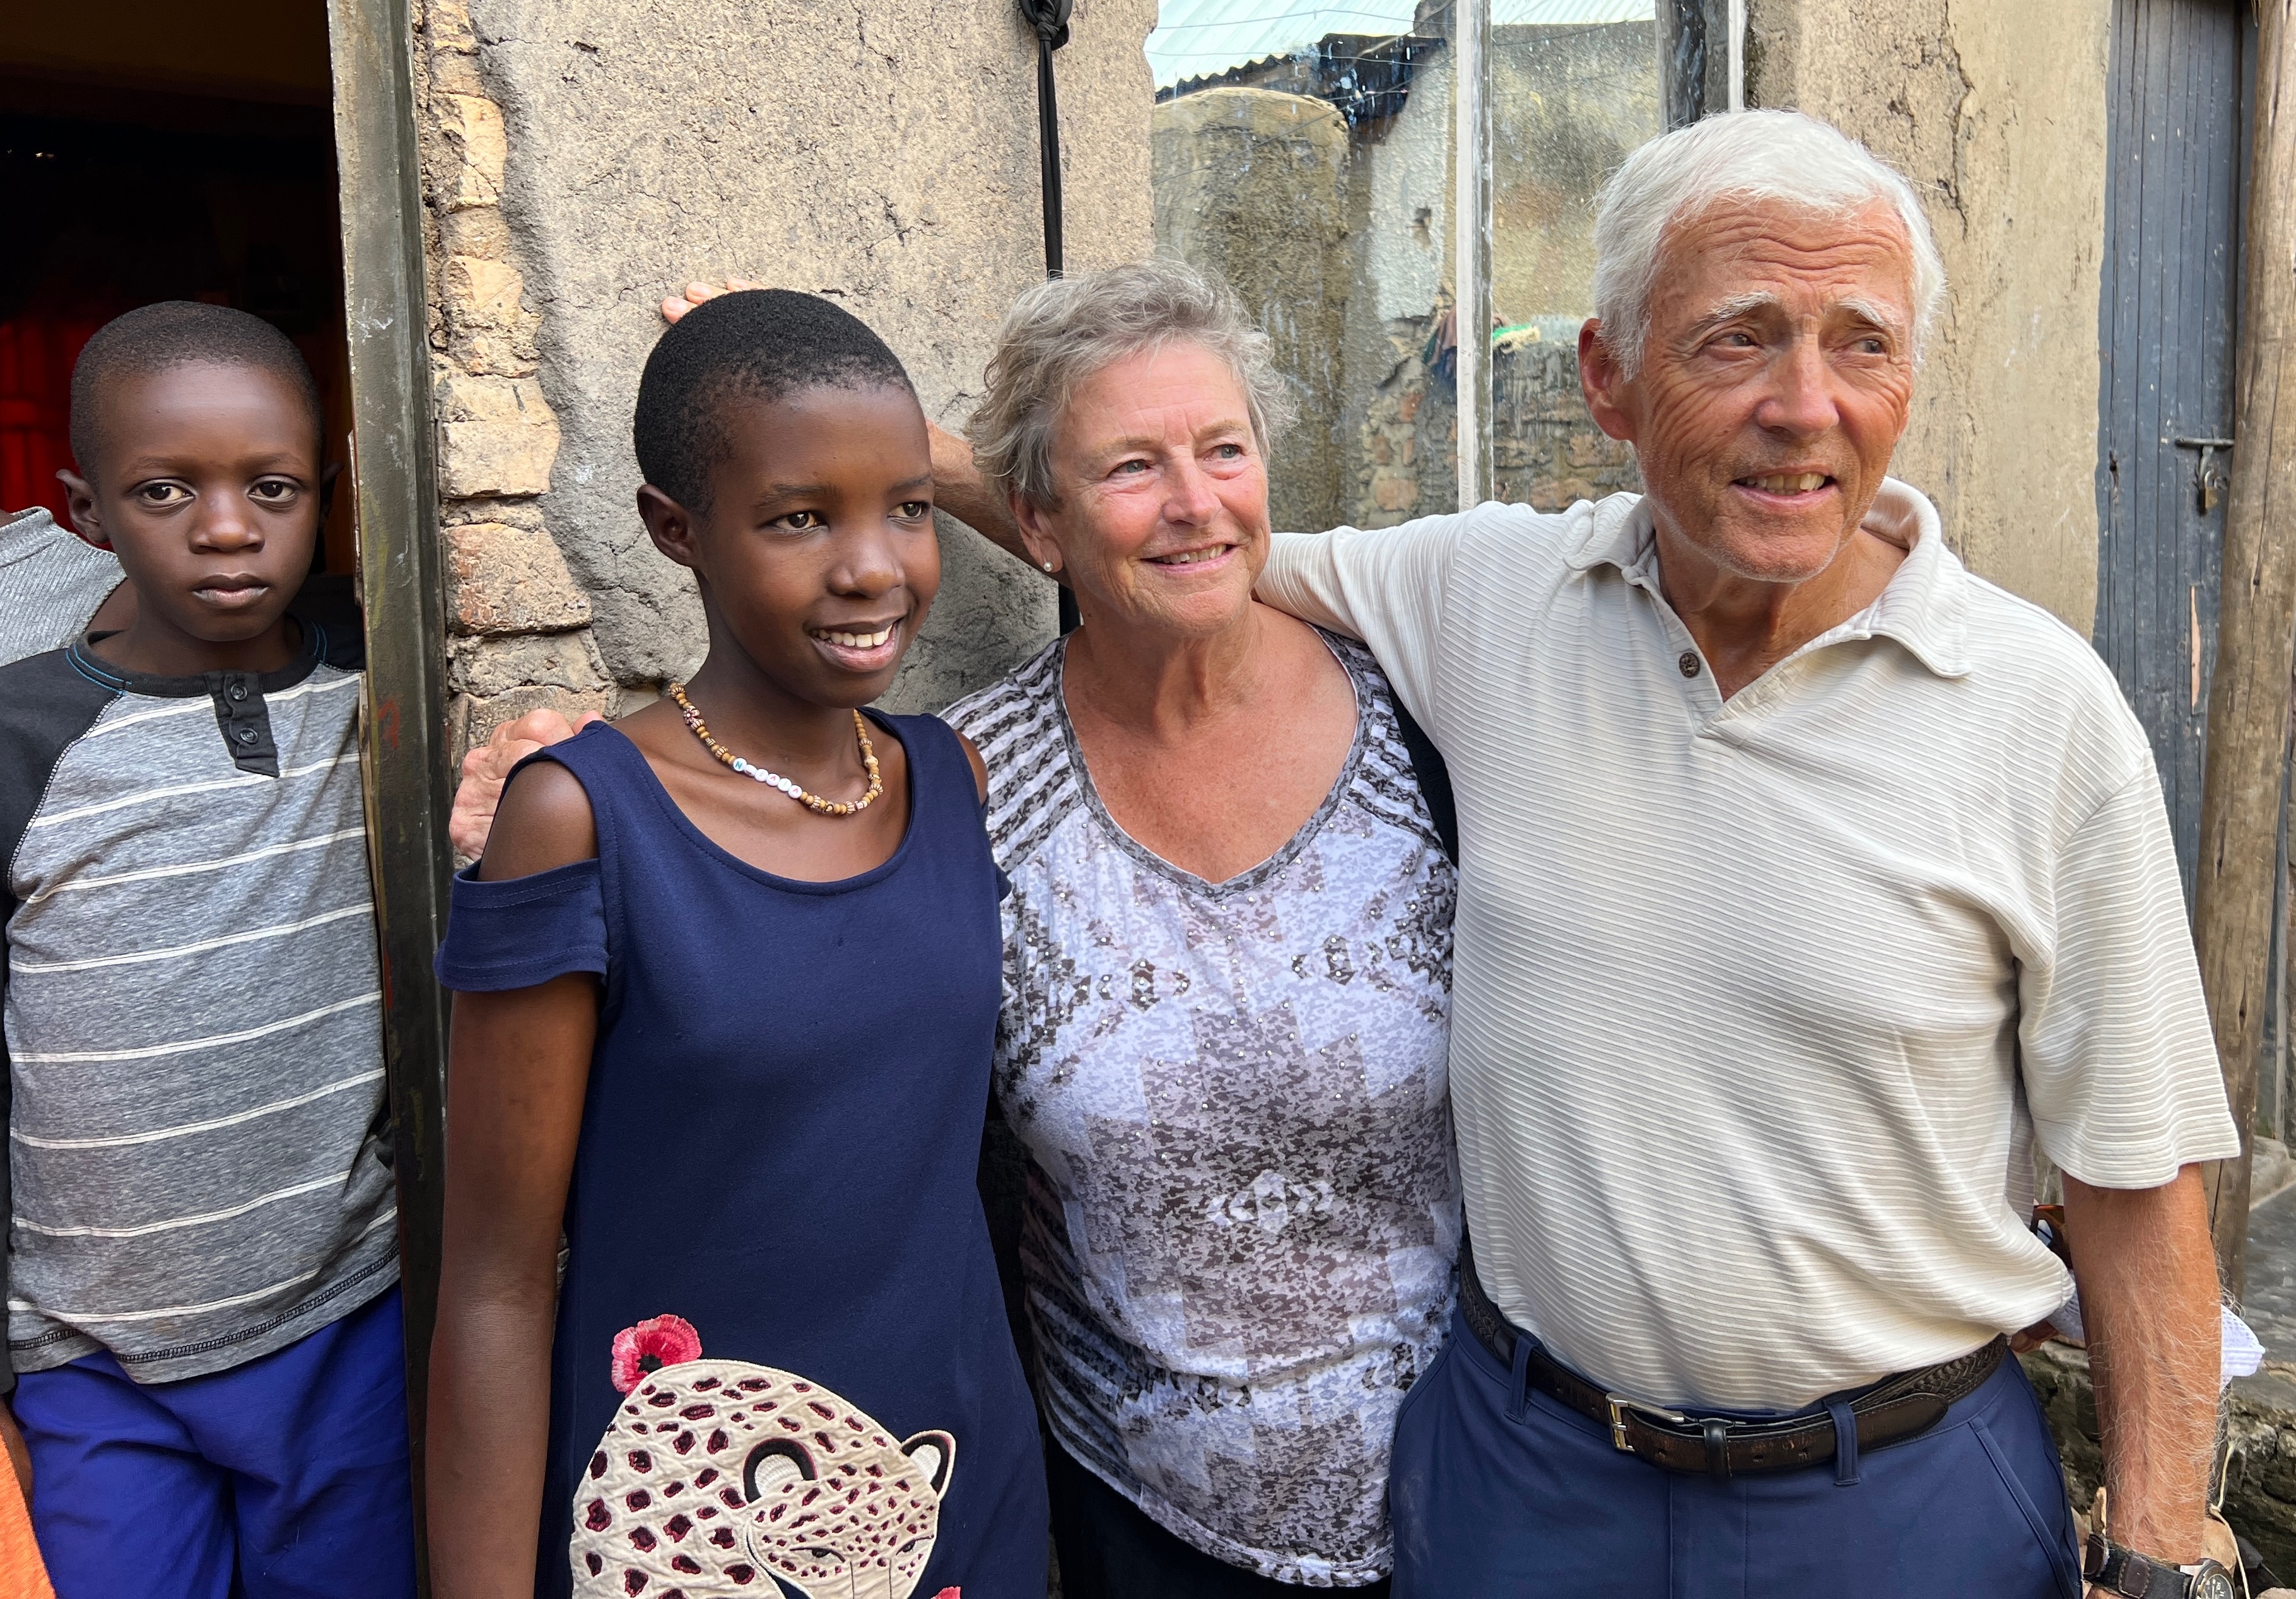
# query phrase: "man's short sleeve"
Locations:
[[1384, 586], [2118, 1061]]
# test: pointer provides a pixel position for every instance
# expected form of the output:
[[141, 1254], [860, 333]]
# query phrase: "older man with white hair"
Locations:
[[1808, 882]]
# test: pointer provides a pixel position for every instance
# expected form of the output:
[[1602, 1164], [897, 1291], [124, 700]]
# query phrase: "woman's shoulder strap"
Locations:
[[1394, 732]]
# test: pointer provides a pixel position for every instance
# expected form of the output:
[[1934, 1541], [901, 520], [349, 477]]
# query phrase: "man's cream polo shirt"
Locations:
[[1758, 1006]]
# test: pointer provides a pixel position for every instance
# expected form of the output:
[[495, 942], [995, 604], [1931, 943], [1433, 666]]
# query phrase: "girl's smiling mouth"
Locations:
[[861, 646]]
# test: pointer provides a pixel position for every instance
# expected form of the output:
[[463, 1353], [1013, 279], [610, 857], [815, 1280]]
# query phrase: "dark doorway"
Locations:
[[2177, 122], [159, 153]]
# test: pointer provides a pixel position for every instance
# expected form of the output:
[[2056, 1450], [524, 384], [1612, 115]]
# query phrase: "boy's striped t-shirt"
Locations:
[[197, 1135]]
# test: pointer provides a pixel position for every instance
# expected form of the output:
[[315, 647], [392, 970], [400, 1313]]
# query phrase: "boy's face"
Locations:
[[817, 551], [208, 490]]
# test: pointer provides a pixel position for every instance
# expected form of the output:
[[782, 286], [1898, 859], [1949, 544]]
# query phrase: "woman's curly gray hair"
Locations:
[[1061, 331]]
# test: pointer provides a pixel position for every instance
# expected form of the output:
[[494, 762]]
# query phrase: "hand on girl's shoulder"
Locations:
[[544, 821]]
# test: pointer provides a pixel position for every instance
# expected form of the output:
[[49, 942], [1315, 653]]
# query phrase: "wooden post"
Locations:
[[404, 725], [2248, 699]]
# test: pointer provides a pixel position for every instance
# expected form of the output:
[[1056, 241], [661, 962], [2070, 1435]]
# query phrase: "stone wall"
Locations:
[[585, 158], [1997, 113], [520, 629]]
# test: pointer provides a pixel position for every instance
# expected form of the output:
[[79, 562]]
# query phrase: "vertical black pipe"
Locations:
[[1048, 147], [1049, 20]]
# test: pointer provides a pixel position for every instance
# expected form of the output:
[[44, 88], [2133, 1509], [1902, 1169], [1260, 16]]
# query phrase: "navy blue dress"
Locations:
[[782, 1362]]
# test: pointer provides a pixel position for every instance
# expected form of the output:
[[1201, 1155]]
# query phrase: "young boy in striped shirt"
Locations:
[[203, 1320]]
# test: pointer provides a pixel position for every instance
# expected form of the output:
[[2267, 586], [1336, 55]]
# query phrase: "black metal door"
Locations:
[[2177, 149]]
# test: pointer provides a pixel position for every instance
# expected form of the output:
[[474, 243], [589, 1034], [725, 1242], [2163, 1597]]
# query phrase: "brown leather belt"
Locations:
[[1890, 1411]]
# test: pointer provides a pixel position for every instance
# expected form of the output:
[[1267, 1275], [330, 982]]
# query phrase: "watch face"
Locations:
[[2214, 1582]]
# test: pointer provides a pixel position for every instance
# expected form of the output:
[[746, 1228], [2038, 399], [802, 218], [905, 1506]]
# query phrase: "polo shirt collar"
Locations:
[[1925, 607]]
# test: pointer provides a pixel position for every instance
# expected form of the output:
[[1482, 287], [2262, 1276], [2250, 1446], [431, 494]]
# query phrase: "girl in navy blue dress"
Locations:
[[728, 986]]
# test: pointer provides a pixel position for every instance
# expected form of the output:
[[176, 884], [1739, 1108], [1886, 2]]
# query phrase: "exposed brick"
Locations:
[[488, 668], [1393, 494], [473, 129], [490, 330], [493, 399], [480, 458], [471, 717], [503, 581], [497, 680], [498, 437], [447, 23]]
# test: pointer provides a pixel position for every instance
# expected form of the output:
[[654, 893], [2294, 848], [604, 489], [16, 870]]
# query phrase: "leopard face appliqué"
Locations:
[[718, 1477]]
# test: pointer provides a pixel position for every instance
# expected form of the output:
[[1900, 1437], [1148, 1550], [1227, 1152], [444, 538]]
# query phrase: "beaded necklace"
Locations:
[[811, 801]]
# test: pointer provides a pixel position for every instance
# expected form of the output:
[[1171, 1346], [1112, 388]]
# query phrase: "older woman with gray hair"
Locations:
[[1227, 974]]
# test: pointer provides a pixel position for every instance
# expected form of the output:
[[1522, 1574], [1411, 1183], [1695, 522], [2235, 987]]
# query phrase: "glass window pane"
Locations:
[[1303, 152], [1574, 88]]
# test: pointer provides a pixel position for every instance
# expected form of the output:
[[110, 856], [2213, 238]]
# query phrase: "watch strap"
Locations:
[[2123, 1571]]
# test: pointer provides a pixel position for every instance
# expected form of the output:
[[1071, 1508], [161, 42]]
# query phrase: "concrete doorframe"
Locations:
[[395, 481]]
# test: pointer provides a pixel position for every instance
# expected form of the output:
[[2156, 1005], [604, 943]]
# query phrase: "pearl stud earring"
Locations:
[[1048, 566]]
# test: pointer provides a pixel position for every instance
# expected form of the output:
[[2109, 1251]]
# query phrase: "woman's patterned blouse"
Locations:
[[1243, 1205]]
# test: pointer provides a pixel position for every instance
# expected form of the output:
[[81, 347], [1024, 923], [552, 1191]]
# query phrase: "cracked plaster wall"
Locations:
[[1998, 114], [585, 158]]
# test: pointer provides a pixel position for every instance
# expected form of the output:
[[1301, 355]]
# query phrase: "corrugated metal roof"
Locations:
[[1201, 38]]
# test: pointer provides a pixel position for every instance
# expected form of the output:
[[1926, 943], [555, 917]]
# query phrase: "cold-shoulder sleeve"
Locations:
[[522, 931]]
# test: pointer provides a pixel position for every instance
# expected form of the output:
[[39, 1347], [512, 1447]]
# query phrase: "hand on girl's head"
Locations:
[[677, 305]]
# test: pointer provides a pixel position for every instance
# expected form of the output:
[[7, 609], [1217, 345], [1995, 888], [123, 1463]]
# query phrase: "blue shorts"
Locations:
[[285, 1478], [1499, 1491]]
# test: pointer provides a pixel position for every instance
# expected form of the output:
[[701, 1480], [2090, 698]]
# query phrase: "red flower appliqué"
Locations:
[[651, 1345]]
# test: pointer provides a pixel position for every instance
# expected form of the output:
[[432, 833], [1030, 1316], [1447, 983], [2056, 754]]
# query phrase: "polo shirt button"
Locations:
[[247, 736], [239, 690], [1688, 663]]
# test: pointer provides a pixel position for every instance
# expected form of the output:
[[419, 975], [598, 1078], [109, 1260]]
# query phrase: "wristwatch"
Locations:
[[2106, 1565]]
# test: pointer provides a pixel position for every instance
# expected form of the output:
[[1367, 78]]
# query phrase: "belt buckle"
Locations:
[[1619, 1405]]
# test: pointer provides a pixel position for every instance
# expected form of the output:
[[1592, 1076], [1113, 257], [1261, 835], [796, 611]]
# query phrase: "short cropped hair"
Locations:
[[1782, 157], [179, 332], [758, 344], [1061, 331]]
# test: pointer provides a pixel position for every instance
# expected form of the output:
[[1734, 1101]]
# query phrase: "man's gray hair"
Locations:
[[1779, 156], [1060, 332]]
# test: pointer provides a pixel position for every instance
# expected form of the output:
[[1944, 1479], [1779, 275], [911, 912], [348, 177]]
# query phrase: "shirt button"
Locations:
[[239, 690], [1688, 663], [247, 736]]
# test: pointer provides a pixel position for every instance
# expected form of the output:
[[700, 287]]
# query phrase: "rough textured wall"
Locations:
[[1997, 113], [1252, 185], [519, 628], [587, 157]]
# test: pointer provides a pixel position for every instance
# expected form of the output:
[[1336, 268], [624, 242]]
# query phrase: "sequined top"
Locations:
[[1242, 1204]]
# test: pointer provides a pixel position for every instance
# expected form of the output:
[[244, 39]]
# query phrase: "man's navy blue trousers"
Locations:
[[1496, 1491]]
